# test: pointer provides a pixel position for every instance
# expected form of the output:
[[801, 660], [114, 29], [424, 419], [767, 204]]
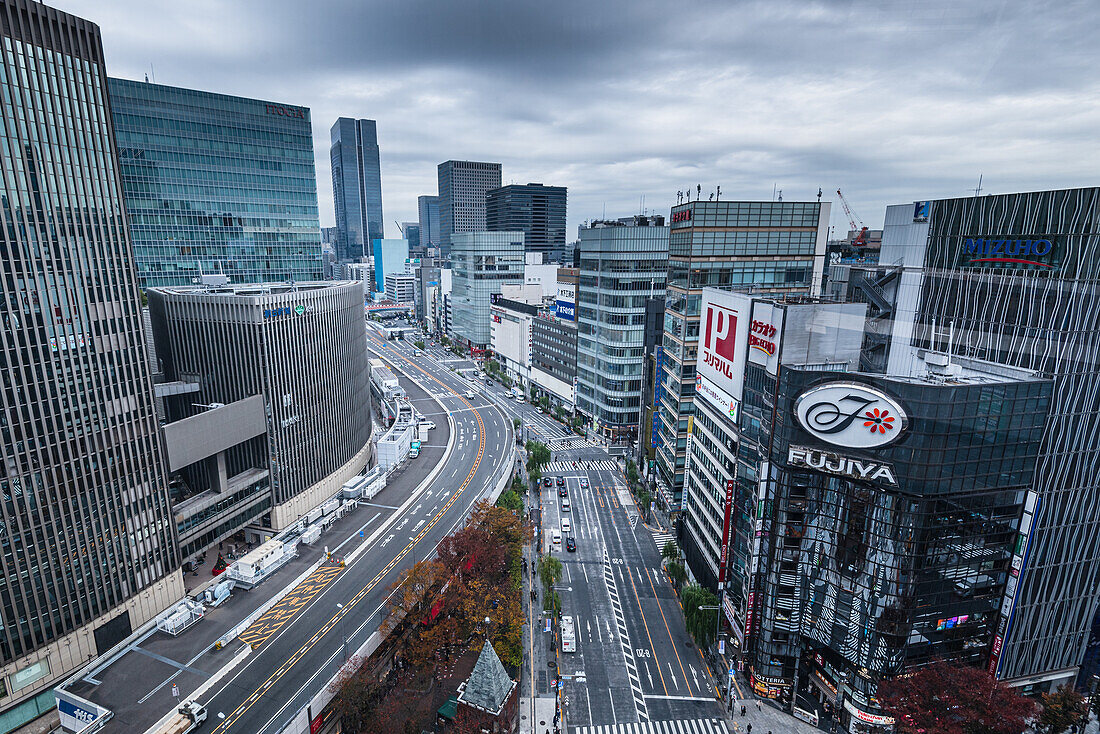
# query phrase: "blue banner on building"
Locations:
[[566, 311]]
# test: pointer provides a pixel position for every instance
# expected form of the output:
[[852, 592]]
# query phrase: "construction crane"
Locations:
[[854, 222]]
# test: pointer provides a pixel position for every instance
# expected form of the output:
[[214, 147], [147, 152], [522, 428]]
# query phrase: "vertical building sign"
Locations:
[[1019, 560], [658, 393], [724, 557], [566, 307], [764, 334], [723, 340]]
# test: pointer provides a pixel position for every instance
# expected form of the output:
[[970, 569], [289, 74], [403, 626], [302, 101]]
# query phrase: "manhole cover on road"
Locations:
[[688, 644], [551, 664]]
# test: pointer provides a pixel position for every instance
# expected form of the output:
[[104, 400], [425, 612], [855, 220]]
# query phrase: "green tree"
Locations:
[[444, 340], [676, 572], [506, 381], [550, 571], [631, 473], [535, 474], [510, 500], [1061, 710], [701, 623], [551, 602], [646, 501], [671, 551], [419, 344], [538, 454]]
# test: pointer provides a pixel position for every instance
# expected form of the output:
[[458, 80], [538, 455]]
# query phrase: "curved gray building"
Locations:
[[300, 346]]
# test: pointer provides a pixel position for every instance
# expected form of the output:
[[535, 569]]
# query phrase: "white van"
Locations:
[[566, 527], [555, 537]]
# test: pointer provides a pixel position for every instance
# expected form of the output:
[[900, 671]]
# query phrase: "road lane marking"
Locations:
[[236, 714]]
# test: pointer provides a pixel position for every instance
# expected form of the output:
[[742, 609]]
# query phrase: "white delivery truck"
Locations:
[[187, 717], [568, 635]]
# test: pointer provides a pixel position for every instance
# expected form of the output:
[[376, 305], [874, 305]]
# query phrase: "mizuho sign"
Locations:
[[851, 415]]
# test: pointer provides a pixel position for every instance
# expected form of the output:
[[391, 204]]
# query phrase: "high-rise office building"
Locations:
[[762, 246], [1015, 278], [390, 256], [411, 230], [463, 186], [302, 348], [428, 209], [216, 184], [356, 186], [482, 263], [536, 210], [87, 541], [623, 266]]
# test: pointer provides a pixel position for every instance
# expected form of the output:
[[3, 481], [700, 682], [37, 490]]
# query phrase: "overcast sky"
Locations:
[[625, 99]]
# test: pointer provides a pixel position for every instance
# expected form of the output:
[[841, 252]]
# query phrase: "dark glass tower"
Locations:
[[536, 210], [86, 537], [356, 187], [216, 184]]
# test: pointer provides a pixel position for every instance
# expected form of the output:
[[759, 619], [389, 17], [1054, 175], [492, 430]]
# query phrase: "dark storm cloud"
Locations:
[[624, 99]]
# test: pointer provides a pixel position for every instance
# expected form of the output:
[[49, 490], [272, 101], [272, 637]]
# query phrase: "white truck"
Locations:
[[568, 635], [187, 717]]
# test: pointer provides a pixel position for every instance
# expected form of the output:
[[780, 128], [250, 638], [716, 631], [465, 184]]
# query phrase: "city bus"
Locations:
[[568, 635]]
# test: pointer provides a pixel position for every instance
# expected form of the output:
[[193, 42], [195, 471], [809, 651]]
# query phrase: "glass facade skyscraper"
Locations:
[[481, 263], [86, 536], [216, 184], [534, 209], [758, 246], [428, 210], [1015, 278], [623, 266], [356, 186]]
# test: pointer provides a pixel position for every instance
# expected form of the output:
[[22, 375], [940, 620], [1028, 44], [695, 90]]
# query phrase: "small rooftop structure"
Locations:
[[488, 687]]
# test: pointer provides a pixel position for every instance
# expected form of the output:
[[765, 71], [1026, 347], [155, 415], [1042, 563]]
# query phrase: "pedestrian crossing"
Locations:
[[560, 467], [660, 538], [570, 442], [684, 726]]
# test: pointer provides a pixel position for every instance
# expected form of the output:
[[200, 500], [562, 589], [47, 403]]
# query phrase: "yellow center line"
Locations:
[[241, 709], [669, 631]]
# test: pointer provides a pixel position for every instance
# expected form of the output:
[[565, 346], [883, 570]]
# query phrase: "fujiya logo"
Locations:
[[1008, 252], [763, 342], [850, 414], [866, 470], [719, 347]]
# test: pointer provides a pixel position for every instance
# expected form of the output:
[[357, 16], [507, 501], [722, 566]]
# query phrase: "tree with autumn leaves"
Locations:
[[944, 698], [476, 576]]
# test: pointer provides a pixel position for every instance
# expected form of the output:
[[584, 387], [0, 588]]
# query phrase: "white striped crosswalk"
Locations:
[[660, 538], [558, 467], [571, 442], [684, 726]]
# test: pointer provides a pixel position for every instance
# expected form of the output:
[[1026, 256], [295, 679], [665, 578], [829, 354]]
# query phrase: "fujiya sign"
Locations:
[[851, 414], [864, 470]]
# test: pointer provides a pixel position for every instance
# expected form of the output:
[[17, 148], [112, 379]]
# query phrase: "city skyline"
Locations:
[[893, 101]]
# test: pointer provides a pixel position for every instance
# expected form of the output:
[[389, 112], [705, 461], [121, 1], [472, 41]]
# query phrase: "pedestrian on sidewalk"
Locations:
[[749, 729], [758, 707], [742, 710]]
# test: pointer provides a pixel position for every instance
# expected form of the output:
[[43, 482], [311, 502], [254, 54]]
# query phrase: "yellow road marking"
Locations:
[[241, 709]]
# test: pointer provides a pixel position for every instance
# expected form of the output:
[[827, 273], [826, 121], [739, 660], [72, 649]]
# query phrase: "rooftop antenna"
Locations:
[[781, 194], [698, 191], [774, 185], [153, 72], [718, 195], [819, 193], [978, 191]]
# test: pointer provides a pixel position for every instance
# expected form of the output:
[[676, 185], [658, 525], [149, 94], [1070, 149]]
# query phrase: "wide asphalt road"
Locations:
[[290, 666], [634, 661]]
